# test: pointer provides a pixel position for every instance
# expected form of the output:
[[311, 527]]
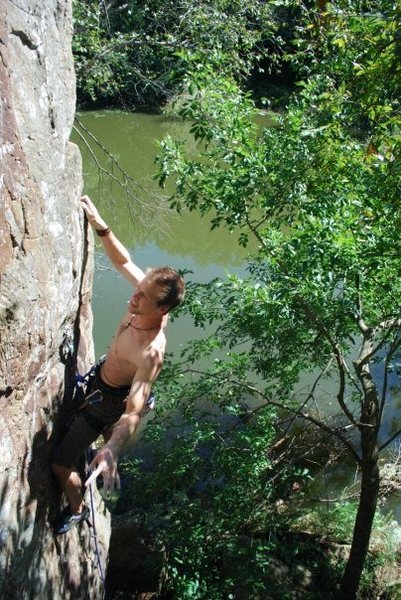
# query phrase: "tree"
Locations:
[[132, 52], [320, 192]]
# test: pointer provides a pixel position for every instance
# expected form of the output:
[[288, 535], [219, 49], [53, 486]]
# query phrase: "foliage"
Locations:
[[208, 487], [323, 207], [201, 501], [320, 192], [318, 206], [354, 44], [135, 52], [335, 523]]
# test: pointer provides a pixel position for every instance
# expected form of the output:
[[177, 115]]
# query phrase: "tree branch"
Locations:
[[126, 182], [337, 353], [393, 348], [311, 393], [390, 439], [390, 324], [269, 402]]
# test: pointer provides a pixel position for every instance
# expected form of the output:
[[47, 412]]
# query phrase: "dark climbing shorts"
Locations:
[[101, 409]]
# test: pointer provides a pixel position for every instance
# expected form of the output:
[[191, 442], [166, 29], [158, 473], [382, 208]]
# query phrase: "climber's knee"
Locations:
[[60, 470]]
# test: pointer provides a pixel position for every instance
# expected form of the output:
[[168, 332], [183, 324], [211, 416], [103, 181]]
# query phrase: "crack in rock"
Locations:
[[25, 39]]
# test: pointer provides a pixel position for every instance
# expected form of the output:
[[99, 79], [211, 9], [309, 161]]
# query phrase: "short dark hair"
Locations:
[[171, 284]]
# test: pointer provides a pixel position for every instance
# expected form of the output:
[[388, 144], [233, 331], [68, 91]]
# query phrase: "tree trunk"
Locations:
[[364, 517], [369, 429]]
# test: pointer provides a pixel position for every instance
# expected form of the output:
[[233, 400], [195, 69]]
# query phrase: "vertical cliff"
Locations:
[[45, 316]]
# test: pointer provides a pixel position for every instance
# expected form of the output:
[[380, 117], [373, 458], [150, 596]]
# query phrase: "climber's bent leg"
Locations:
[[71, 485], [87, 426], [66, 459]]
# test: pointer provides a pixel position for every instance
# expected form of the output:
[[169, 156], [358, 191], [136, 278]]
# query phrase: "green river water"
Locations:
[[154, 236], [157, 236]]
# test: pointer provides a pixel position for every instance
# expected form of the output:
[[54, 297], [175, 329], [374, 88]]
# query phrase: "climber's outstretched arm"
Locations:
[[117, 253]]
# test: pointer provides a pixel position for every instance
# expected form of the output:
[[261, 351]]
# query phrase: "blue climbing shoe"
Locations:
[[68, 520]]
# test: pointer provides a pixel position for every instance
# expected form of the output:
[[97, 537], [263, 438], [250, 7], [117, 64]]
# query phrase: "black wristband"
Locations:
[[103, 232]]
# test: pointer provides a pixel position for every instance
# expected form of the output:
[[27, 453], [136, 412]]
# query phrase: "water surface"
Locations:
[[155, 235]]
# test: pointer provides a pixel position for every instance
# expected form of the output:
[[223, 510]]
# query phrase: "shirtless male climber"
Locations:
[[119, 386]]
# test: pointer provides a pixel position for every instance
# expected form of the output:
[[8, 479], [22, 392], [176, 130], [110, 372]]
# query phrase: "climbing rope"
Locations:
[[94, 532], [81, 383]]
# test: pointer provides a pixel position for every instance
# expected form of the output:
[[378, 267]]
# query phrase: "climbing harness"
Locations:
[[96, 396], [81, 384]]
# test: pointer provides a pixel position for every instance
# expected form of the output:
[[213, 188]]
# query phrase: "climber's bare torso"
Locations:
[[137, 350], [132, 347]]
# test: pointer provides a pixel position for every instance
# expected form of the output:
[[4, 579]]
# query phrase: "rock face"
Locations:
[[45, 316]]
